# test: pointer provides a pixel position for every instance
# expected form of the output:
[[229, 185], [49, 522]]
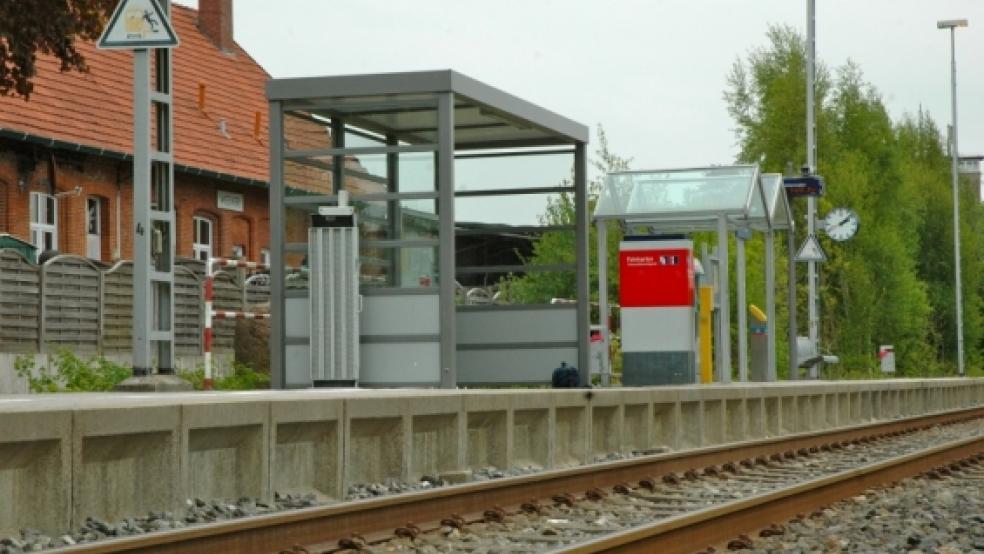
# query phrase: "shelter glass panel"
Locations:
[[707, 191], [520, 170], [397, 219], [525, 209], [399, 266]]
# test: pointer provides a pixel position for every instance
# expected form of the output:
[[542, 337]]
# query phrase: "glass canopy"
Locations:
[[780, 215], [685, 200]]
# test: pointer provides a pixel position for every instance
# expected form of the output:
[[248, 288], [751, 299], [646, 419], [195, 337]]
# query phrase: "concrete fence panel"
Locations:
[[19, 303], [117, 308], [228, 296], [188, 312], [70, 303]]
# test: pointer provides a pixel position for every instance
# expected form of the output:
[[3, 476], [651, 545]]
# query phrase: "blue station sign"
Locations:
[[806, 185]]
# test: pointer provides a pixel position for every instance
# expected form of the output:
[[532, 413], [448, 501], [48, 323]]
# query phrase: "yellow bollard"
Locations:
[[706, 305]]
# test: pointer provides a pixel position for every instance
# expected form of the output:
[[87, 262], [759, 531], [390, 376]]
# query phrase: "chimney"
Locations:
[[215, 22]]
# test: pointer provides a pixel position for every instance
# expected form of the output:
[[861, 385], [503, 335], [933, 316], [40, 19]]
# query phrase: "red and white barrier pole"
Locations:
[[207, 330], [210, 314]]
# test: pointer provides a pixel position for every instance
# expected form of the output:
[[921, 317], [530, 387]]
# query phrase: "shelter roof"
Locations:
[[692, 199], [405, 105]]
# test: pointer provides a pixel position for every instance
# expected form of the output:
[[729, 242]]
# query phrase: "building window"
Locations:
[[238, 251], [265, 256], [202, 247], [44, 222]]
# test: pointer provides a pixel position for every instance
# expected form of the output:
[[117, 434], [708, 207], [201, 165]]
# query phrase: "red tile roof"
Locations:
[[96, 109]]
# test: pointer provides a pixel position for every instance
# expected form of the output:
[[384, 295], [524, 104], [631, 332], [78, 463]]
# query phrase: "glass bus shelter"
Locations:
[[431, 160], [725, 199]]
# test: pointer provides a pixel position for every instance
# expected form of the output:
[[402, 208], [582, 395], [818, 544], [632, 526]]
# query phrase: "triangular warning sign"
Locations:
[[811, 251], [138, 24]]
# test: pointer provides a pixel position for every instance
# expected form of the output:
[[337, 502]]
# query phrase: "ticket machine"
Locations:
[[658, 317]]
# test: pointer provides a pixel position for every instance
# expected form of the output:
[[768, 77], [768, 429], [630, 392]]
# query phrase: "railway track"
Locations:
[[676, 502]]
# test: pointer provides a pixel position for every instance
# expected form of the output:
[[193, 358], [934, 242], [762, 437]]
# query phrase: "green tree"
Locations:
[[891, 284], [50, 27], [557, 247]]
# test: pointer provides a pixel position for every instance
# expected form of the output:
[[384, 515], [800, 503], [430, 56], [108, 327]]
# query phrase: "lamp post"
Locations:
[[952, 25]]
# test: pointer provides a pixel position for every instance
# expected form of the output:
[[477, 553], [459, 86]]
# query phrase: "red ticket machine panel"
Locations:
[[654, 275]]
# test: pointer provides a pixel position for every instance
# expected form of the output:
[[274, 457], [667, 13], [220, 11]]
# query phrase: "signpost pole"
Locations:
[[811, 161], [139, 25]]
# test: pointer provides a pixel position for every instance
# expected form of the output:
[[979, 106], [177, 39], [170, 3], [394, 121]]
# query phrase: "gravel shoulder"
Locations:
[[918, 516]]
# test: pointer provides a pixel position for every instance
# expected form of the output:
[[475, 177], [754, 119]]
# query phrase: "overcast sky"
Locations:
[[652, 72]]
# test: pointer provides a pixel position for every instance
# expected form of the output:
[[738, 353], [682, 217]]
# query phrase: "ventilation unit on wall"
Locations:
[[333, 258]]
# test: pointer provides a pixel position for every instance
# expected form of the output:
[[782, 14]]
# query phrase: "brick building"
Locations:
[[65, 155]]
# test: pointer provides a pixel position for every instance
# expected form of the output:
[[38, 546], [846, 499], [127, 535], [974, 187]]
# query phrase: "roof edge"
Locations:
[[422, 82], [124, 156]]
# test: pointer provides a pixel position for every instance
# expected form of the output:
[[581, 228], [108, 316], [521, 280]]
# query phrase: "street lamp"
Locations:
[[952, 24]]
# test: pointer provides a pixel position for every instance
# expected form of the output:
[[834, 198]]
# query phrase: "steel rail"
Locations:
[[699, 529], [325, 525]]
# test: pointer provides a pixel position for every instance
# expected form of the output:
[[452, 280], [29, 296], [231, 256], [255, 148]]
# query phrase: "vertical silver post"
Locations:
[[446, 252], [770, 305], [606, 373], [791, 302], [954, 170], [581, 260], [811, 161], [143, 301], [742, 307], [278, 303], [724, 311]]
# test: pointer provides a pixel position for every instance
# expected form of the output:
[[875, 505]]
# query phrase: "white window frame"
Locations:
[[202, 250], [41, 224]]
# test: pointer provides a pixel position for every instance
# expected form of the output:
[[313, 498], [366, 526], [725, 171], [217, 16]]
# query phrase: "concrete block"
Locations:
[[487, 439], [35, 471], [772, 416], [376, 450], [713, 429], [306, 441], [126, 461], [829, 407], [606, 430], [735, 420], [691, 425], [570, 434], [754, 408], [226, 450], [530, 436], [636, 427], [435, 445], [667, 426], [789, 422]]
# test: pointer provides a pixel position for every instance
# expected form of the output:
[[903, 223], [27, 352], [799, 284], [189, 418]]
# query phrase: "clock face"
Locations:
[[842, 224]]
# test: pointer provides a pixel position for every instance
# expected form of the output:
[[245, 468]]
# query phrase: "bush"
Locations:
[[243, 377], [71, 373]]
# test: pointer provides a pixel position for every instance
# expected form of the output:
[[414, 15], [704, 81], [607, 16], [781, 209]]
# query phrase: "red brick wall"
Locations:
[[110, 181]]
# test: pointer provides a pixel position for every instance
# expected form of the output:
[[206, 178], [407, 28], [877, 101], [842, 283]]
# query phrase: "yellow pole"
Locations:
[[706, 305]]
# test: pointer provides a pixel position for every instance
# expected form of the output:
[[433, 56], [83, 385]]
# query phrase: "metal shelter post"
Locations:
[[742, 306], [446, 252], [606, 373], [812, 269], [278, 321], [724, 302], [791, 303], [581, 260], [770, 304]]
